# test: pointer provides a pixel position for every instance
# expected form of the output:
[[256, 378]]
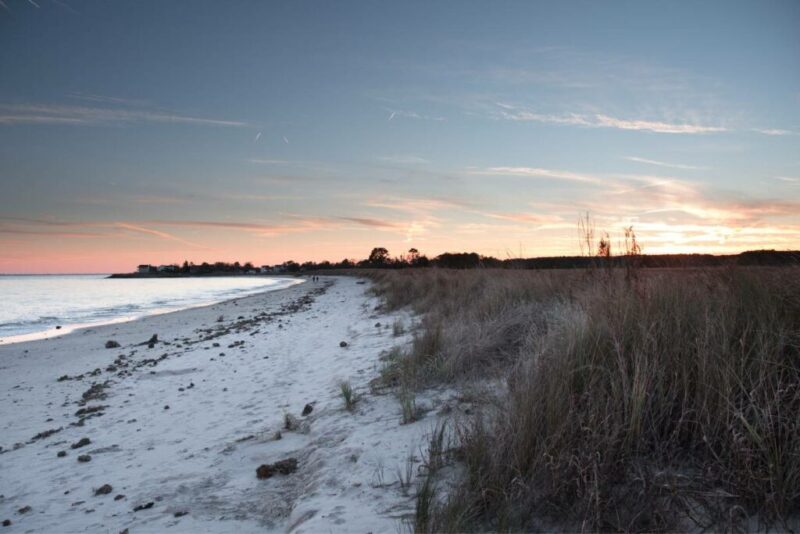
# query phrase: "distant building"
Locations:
[[167, 268], [145, 269]]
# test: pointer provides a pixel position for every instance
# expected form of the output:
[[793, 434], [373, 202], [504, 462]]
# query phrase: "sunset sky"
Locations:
[[153, 132]]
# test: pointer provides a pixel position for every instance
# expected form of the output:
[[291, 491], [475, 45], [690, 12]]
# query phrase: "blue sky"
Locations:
[[158, 131]]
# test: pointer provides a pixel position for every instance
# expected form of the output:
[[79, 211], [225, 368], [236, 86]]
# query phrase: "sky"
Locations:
[[157, 132]]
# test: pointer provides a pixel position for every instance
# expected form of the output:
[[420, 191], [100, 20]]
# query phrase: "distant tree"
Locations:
[[461, 260], [604, 247], [248, 266], [421, 261], [185, 267], [291, 266], [378, 257]]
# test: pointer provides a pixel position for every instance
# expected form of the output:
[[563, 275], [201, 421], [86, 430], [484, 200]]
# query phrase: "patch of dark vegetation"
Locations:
[[652, 400], [89, 410], [64, 378], [80, 443], [45, 434], [95, 392], [105, 489], [244, 325], [283, 467]]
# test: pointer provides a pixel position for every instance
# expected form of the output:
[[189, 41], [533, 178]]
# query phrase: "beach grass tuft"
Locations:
[[348, 395]]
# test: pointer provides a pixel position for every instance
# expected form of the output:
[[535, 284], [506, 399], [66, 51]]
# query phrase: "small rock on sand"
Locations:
[[80, 443], [283, 467], [119, 497], [343, 344], [24, 510], [61, 454], [307, 409], [180, 513], [105, 489], [6, 522], [144, 506], [111, 344], [83, 458]]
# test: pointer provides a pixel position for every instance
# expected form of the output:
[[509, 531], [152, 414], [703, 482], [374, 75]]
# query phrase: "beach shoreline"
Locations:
[[182, 420], [66, 327]]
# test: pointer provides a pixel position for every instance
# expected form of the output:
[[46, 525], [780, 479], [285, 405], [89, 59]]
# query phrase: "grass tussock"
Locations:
[[348, 394], [667, 400]]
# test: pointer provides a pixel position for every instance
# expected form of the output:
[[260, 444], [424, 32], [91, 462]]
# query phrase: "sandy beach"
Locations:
[[166, 436]]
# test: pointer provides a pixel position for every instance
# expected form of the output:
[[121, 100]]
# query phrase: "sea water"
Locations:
[[34, 306]]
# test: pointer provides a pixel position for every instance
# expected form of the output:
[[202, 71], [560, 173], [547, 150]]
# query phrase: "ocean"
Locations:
[[34, 306]]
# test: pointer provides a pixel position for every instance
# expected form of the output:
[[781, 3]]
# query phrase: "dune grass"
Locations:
[[348, 394], [665, 400]]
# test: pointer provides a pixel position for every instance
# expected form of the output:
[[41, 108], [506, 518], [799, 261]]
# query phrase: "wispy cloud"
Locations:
[[373, 223], [773, 131], [403, 114], [527, 218], [663, 163], [156, 233], [415, 204], [535, 172], [105, 99], [269, 161], [80, 115], [789, 179], [654, 126], [404, 160], [599, 120]]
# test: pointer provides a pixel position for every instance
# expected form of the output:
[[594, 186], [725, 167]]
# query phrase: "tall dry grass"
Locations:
[[669, 400]]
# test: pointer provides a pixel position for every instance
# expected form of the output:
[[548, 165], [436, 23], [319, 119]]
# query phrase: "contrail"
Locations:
[[258, 136], [285, 140]]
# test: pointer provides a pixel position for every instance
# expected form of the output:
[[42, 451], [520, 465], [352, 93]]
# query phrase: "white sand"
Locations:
[[200, 455]]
